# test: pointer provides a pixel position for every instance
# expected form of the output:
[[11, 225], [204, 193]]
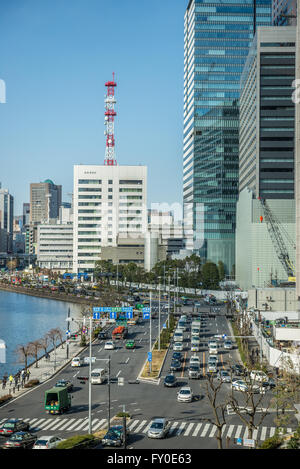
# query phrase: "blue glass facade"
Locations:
[[218, 37]]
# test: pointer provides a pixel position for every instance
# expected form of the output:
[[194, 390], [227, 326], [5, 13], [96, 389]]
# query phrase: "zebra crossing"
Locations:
[[184, 429]]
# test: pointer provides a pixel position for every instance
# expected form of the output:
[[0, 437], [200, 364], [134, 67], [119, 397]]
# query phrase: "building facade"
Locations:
[[6, 219], [217, 38], [284, 12], [109, 203], [45, 200], [55, 246]]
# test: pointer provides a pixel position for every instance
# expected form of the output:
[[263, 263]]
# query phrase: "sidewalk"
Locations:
[[46, 368]]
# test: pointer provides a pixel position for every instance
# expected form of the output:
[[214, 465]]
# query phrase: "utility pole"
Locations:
[[150, 344], [90, 376], [108, 388], [159, 315]]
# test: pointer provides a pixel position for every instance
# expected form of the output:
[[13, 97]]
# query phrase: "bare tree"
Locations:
[[24, 352], [60, 334], [218, 408], [44, 343], [34, 347], [53, 337]]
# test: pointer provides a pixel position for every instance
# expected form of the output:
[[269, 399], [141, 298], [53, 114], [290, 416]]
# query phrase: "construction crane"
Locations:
[[275, 230]]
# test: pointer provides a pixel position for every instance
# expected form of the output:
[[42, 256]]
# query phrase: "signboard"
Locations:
[[129, 314], [108, 309], [113, 315], [149, 356], [249, 442], [146, 315], [164, 326]]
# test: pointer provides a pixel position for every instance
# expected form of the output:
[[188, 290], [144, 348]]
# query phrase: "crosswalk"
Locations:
[[177, 428]]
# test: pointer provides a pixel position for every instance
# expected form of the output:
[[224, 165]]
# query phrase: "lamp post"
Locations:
[[150, 335], [159, 315], [90, 376]]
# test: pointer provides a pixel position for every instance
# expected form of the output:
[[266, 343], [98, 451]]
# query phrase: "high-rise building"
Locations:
[[284, 12], [45, 200], [7, 217], [217, 38], [26, 213], [109, 203]]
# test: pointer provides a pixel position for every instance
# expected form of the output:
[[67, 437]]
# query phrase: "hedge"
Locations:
[[78, 441]]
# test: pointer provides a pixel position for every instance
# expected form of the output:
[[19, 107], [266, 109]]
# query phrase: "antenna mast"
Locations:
[[109, 117]]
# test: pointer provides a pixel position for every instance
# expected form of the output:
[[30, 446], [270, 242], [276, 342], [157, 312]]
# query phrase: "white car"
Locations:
[[185, 394], [47, 442], [109, 345], [76, 361], [227, 345], [212, 367], [178, 346], [240, 385], [195, 347], [194, 360], [259, 376]]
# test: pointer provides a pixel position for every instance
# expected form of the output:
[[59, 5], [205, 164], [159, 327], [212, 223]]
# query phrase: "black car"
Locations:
[[102, 335], [177, 356], [12, 426], [20, 440], [175, 365], [270, 384], [114, 436], [64, 383], [238, 370], [170, 381]]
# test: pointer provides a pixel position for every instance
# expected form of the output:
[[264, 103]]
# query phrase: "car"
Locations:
[[213, 348], [194, 360], [102, 335], [224, 376], [238, 370], [47, 442], [158, 428], [20, 440], [212, 367], [130, 344], [178, 346], [12, 426], [109, 345], [64, 383], [213, 358], [114, 436], [194, 371], [177, 356], [170, 381], [175, 365], [227, 345], [76, 361], [195, 347], [270, 384], [185, 394], [241, 385], [257, 375]]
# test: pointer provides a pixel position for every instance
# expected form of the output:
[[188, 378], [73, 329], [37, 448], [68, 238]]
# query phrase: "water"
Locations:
[[26, 318]]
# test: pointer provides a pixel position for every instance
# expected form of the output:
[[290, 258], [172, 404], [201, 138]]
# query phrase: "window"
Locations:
[[131, 181], [89, 181]]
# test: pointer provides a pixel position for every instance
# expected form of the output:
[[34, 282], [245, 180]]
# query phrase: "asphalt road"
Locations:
[[143, 401]]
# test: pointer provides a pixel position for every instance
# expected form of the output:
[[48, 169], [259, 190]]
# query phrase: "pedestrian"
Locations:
[[10, 379], [27, 374], [47, 356]]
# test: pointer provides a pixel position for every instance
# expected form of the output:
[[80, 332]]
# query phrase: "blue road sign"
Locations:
[[149, 356], [129, 314], [113, 315], [146, 315], [146, 309], [96, 315], [164, 326]]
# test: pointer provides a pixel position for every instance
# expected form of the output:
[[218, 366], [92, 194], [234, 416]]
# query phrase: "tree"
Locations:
[[24, 352], [221, 270], [210, 276], [44, 341], [34, 347]]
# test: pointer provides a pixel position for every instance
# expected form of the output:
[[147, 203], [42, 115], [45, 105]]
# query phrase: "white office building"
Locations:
[[55, 246], [110, 202]]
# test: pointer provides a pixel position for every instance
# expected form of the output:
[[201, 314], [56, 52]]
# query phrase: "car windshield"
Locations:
[[95, 374], [194, 367], [41, 442], [17, 437], [185, 391], [9, 425], [170, 378], [157, 425]]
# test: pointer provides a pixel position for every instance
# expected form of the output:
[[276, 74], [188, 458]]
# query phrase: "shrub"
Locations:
[[5, 398], [31, 383], [78, 441], [271, 443], [123, 414]]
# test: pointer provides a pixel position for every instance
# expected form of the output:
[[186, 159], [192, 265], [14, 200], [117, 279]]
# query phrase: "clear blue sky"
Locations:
[[56, 56]]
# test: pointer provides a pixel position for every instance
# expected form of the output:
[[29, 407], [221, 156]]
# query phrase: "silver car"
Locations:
[[158, 428], [47, 442]]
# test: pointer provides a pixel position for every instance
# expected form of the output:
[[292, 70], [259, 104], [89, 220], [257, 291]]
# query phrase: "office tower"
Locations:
[[109, 203], [45, 200], [55, 246], [26, 213], [284, 12], [217, 38], [7, 218], [267, 166]]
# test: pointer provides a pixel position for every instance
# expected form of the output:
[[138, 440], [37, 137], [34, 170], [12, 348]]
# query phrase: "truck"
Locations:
[[119, 332], [57, 400]]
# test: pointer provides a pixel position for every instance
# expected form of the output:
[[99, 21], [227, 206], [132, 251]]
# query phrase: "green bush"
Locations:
[[78, 441], [293, 443], [31, 383], [123, 414], [271, 443]]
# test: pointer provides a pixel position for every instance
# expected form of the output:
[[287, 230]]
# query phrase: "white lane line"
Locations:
[[81, 425], [272, 431], [213, 431], [127, 360], [255, 432], [133, 424], [75, 424], [173, 427], [238, 431], [138, 429], [61, 422], [263, 433], [188, 430], [230, 430], [180, 429], [118, 373], [76, 374], [49, 425], [205, 430], [86, 427], [100, 424], [67, 423]]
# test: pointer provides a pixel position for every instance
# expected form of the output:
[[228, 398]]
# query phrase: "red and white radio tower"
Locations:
[[109, 122]]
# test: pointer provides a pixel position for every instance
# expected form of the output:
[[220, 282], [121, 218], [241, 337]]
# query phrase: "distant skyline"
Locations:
[[55, 59]]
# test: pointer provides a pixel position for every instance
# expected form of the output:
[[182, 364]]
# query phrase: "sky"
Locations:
[[56, 56]]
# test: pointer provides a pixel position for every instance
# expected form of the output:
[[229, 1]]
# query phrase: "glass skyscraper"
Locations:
[[217, 38]]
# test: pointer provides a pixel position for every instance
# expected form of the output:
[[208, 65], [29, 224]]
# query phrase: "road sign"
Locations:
[[129, 314], [113, 315], [249, 442], [96, 315], [149, 356], [87, 359], [146, 310], [146, 315], [164, 326]]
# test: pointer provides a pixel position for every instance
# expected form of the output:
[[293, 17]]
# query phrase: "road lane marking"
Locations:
[[138, 429], [173, 427], [263, 433], [80, 425], [133, 424], [188, 430], [118, 373], [272, 431], [180, 429], [49, 425], [127, 360], [74, 424], [230, 430], [205, 430], [86, 427], [66, 424], [238, 432], [213, 431], [100, 424]]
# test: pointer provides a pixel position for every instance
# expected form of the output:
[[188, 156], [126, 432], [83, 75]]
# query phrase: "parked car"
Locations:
[[65, 383], [194, 360], [12, 426], [20, 440], [109, 345], [257, 375], [224, 376], [170, 381], [114, 436], [102, 335], [227, 345], [175, 365], [158, 428], [239, 385], [47, 442], [177, 356], [238, 370], [212, 367], [185, 394]]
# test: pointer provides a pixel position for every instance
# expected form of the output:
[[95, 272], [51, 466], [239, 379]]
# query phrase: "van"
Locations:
[[178, 336], [213, 348], [196, 324], [181, 325], [98, 376]]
